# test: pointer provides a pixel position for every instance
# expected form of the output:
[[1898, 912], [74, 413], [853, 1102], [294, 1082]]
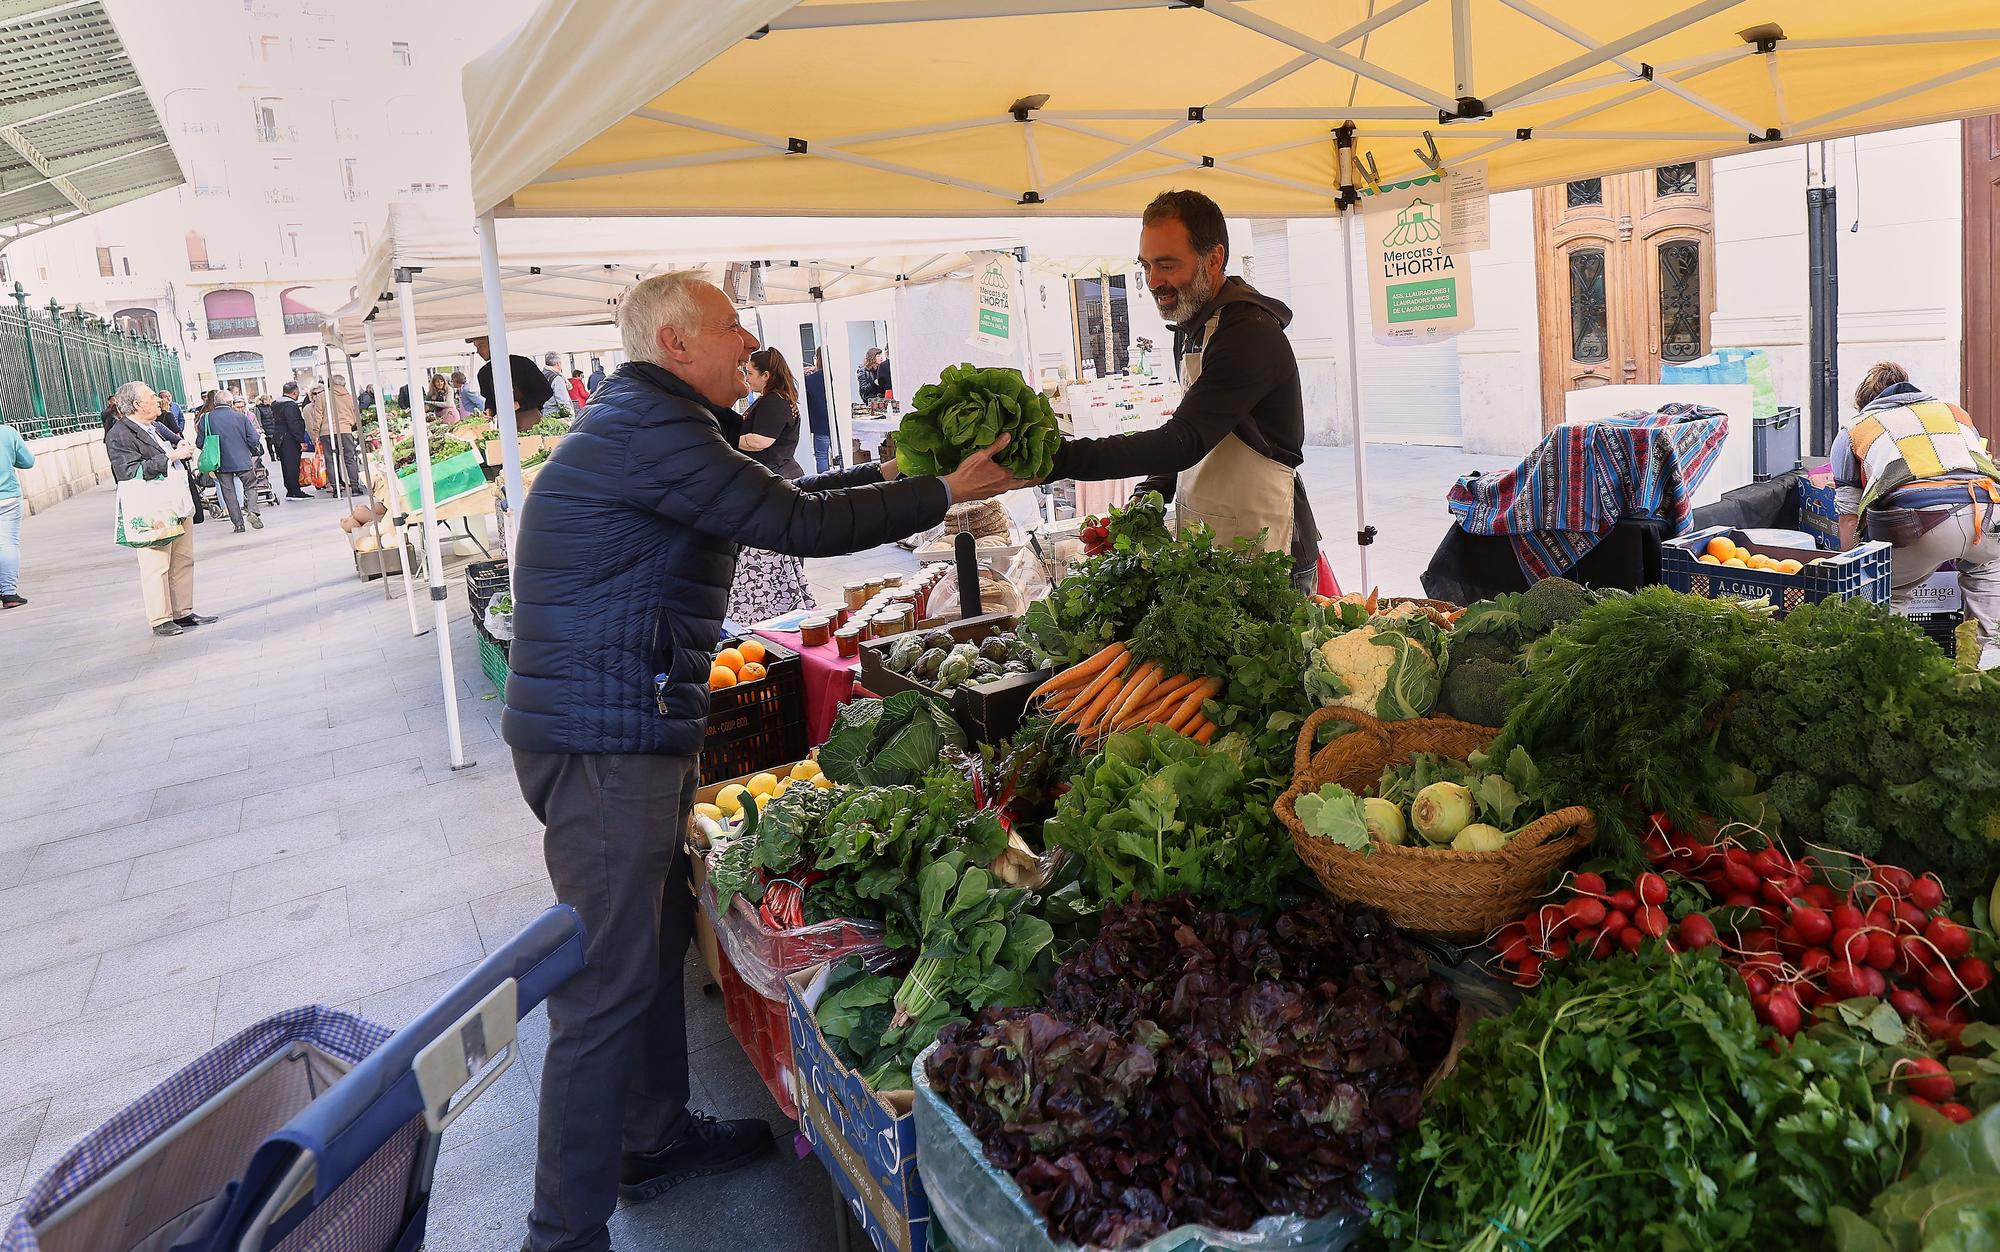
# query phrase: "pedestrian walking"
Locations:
[[579, 394], [816, 412], [596, 378], [290, 439], [331, 418], [14, 455], [137, 449], [238, 438]]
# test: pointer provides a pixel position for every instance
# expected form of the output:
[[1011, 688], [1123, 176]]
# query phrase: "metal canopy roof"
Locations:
[[77, 131]]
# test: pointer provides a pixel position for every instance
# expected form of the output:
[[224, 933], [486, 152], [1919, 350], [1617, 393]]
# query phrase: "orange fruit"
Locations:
[[752, 650], [720, 676], [1737, 563], [1721, 548], [730, 659], [1756, 560], [1789, 566], [1706, 559], [751, 672]]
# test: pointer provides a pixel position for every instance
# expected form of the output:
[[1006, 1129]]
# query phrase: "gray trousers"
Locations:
[[616, 1077], [343, 476], [234, 486]]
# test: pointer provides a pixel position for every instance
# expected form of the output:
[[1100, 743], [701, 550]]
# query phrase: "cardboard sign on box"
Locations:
[[1816, 508], [867, 1139]]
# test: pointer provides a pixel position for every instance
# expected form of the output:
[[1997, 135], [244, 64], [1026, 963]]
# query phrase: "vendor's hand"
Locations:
[[979, 477], [890, 470]]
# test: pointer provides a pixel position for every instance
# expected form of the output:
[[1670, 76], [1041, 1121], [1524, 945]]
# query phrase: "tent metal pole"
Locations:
[[360, 425], [839, 459], [1364, 534], [389, 472], [433, 555], [503, 386]]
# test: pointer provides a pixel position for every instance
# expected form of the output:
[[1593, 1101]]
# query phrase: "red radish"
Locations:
[[1881, 949], [1846, 917], [1909, 1005], [1559, 949], [1872, 982], [1927, 892], [1529, 973], [1976, 974], [1897, 879], [1775, 894], [1651, 922], [1941, 985], [1739, 900], [1845, 981], [1546, 921], [1925, 1076], [1913, 957], [1616, 921], [1910, 915], [1821, 896], [1515, 950], [1623, 901], [1741, 878], [1953, 940], [1696, 931], [1851, 944], [1815, 961], [1812, 924], [1920, 1100], [1630, 939], [1956, 1112], [1758, 941], [1588, 884], [1757, 982], [1652, 889], [1781, 1012], [1771, 863], [1585, 911], [1936, 1026]]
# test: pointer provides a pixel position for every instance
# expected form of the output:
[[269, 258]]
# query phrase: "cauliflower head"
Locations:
[[1381, 672]]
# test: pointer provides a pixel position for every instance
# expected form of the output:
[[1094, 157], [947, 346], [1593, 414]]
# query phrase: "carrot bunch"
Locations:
[[1114, 691]]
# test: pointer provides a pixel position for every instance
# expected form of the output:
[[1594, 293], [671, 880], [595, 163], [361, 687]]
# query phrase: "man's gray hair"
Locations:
[[126, 398], [656, 303]]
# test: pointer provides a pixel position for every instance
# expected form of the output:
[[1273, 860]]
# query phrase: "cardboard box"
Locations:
[[989, 710], [704, 934], [1939, 593], [1816, 508], [867, 1139]]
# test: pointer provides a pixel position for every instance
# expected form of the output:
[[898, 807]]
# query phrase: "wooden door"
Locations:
[[1981, 365], [1625, 278]]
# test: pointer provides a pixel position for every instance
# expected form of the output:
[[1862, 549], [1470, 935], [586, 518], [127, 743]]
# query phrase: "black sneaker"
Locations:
[[167, 630], [709, 1147], [11, 601], [193, 620]]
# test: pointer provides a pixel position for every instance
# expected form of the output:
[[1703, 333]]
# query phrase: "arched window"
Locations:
[[305, 359], [232, 314], [142, 322], [242, 370], [300, 317]]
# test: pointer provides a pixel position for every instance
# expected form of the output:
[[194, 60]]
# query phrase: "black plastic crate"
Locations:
[[1860, 573], [1940, 629], [483, 581], [756, 726]]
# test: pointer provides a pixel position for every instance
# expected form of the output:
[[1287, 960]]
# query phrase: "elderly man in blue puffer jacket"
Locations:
[[627, 546]]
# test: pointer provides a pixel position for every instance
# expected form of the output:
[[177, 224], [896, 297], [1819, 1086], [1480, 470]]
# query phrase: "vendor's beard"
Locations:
[[1187, 301]]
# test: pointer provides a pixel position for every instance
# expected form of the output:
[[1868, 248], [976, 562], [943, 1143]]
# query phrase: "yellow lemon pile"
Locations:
[[1723, 551]]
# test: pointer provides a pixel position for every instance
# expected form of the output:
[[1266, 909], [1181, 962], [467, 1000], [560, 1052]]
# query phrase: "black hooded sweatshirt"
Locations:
[[1249, 387]]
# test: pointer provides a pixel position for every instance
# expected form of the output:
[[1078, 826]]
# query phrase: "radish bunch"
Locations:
[[1801, 932]]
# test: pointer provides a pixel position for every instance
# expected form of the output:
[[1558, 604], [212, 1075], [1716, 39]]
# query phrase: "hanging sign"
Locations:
[[1468, 227], [995, 308], [1418, 292]]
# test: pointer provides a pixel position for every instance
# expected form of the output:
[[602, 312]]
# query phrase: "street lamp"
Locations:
[[190, 329]]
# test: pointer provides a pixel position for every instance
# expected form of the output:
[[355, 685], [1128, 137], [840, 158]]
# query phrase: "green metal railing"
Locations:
[[57, 367]]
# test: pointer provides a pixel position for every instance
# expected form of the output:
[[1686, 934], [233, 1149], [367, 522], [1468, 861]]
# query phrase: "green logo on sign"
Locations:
[[1423, 302], [992, 322], [1417, 223]]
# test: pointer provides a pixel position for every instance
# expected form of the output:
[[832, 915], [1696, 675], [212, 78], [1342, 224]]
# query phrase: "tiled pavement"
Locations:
[[196, 832]]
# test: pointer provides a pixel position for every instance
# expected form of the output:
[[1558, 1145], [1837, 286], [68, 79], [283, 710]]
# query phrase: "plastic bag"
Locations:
[[1028, 576], [499, 622], [996, 595], [982, 1209], [764, 957]]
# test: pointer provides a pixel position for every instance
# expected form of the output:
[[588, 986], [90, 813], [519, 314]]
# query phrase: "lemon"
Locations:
[[712, 812], [824, 783], [764, 784], [806, 770], [730, 798], [784, 785]]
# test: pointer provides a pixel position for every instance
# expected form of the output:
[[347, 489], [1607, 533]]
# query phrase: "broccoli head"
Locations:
[[1847, 822], [1472, 691], [1551, 602], [1482, 647]]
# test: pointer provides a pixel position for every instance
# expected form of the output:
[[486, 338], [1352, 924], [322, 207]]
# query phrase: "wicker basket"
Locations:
[[1432, 891]]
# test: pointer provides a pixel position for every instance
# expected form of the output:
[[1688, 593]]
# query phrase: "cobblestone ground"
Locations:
[[197, 832]]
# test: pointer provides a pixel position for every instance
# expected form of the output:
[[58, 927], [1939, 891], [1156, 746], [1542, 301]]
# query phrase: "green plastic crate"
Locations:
[[493, 659]]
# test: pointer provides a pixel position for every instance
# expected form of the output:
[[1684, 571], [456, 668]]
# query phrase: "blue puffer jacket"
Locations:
[[627, 547]]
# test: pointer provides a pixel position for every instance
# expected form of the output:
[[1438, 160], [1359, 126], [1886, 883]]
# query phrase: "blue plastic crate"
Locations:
[[1858, 574]]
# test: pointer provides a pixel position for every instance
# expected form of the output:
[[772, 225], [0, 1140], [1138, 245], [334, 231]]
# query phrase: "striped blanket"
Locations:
[[1559, 503]]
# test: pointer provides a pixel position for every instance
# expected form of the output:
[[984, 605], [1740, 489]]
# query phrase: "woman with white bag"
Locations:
[[154, 505]]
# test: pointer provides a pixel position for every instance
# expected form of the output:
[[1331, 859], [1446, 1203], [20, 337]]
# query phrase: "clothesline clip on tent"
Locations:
[[1428, 154], [1364, 165]]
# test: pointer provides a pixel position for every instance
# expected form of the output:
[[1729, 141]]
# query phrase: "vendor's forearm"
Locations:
[[1161, 452]]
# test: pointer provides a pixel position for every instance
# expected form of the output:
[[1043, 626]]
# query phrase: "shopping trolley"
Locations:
[[312, 1131]]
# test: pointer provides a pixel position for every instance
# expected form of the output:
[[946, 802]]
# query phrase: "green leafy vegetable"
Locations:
[[967, 409], [1949, 1203], [1334, 813], [888, 742]]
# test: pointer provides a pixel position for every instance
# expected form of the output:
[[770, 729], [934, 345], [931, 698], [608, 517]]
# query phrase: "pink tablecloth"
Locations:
[[829, 681]]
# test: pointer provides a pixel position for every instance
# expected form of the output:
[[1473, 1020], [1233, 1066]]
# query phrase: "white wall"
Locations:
[[1499, 361]]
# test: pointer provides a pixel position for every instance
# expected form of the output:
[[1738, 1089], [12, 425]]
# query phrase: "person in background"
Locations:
[[290, 440], [367, 397], [440, 409], [137, 448], [579, 394], [1229, 455], [596, 379], [170, 414], [558, 386], [1914, 472], [770, 584], [621, 575], [816, 412], [266, 423], [531, 386], [240, 448], [470, 402], [14, 455], [403, 397], [865, 377], [331, 418], [884, 385], [109, 413]]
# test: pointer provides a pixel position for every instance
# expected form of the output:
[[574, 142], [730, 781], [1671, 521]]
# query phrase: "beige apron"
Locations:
[[1238, 491]]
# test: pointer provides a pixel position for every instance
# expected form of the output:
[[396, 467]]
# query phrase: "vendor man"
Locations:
[[531, 386], [1230, 454], [627, 547]]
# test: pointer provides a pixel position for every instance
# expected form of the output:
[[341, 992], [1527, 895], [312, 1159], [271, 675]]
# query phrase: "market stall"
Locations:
[[1166, 965]]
